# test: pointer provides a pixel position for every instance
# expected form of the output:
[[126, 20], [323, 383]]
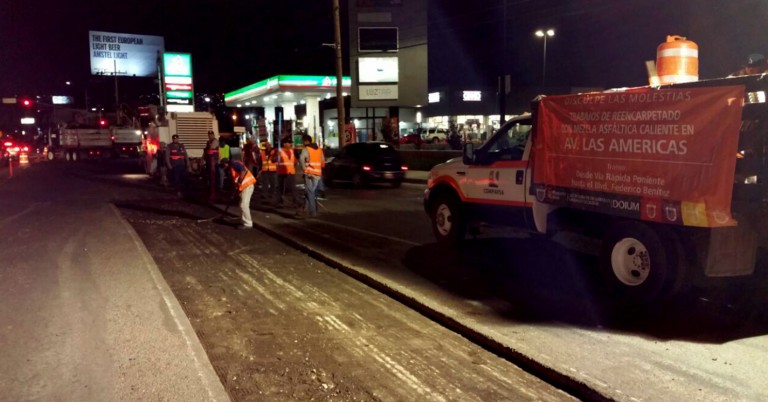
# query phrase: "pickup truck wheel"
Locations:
[[639, 264], [448, 224], [435, 140]]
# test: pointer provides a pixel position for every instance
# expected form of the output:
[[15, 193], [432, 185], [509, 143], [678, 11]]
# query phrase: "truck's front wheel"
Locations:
[[448, 224], [639, 264]]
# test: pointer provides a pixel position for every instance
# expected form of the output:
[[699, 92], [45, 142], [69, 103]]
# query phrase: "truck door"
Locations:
[[497, 184]]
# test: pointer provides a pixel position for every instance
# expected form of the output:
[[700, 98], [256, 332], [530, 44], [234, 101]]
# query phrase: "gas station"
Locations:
[[279, 97]]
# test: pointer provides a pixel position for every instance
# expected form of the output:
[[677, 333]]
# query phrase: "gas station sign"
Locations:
[[177, 82]]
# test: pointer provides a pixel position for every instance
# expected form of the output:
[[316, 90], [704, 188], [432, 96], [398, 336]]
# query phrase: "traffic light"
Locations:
[[26, 103], [103, 123]]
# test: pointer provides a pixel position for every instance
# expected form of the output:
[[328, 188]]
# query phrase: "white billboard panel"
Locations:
[[124, 54], [376, 70]]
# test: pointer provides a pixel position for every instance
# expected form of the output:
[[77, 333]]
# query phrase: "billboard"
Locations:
[[375, 70], [665, 155], [124, 54]]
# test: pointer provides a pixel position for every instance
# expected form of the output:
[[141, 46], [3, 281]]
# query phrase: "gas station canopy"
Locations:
[[285, 89]]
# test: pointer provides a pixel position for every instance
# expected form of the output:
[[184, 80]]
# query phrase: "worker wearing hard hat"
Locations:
[[756, 64], [177, 162]]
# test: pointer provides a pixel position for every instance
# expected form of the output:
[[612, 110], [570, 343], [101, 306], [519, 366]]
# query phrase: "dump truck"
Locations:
[[126, 141], [672, 182], [81, 143]]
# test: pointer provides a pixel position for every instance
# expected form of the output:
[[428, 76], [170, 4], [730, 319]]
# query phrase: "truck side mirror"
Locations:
[[469, 153]]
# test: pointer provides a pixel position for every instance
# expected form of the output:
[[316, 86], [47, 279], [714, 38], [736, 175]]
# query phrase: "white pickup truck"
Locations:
[[672, 181]]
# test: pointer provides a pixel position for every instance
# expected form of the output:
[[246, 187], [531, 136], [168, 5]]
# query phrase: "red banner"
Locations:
[[661, 155]]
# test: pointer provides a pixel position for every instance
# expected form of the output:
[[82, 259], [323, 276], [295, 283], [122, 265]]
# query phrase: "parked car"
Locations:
[[411, 138], [364, 163], [435, 135]]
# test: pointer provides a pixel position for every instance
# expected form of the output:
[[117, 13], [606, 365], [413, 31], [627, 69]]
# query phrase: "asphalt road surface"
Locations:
[[371, 309]]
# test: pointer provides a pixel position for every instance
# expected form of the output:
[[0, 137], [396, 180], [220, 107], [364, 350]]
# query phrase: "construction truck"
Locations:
[[81, 143], [192, 128], [671, 181], [126, 141]]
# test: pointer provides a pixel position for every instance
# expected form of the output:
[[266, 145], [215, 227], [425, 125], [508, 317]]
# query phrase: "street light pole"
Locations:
[[544, 34]]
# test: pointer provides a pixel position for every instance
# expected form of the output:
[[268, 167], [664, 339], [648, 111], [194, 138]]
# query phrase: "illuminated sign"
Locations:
[[274, 84], [180, 101], [472, 96], [124, 54], [378, 70], [178, 80], [178, 87], [177, 64], [177, 76], [62, 100], [377, 92], [434, 97], [178, 94], [180, 108], [28, 120]]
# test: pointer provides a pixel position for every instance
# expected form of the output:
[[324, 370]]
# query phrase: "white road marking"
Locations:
[[186, 330]]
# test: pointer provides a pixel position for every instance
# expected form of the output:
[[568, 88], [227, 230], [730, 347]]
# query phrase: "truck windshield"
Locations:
[[509, 142]]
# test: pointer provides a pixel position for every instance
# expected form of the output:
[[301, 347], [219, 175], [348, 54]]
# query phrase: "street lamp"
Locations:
[[544, 34]]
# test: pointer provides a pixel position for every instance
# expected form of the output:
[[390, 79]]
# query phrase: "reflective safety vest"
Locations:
[[223, 151], [267, 164], [316, 162], [286, 162], [176, 153], [248, 180], [210, 150]]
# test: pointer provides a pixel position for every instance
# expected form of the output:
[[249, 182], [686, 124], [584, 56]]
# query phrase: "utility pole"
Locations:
[[503, 73], [117, 98], [339, 92]]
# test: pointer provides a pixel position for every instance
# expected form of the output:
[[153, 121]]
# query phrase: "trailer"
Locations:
[[82, 143]]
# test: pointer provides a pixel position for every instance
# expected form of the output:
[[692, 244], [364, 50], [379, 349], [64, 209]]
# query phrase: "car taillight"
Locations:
[[404, 167], [15, 149], [366, 168], [25, 149], [8, 144]]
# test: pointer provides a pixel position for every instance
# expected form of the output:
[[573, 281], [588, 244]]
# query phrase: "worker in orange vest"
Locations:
[[286, 173], [243, 181], [312, 163], [268, 172]]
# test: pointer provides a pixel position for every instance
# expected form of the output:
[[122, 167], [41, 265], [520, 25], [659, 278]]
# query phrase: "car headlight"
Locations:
[[750, 180]]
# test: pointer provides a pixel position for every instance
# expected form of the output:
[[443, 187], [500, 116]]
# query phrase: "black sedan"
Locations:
[[364, 163]]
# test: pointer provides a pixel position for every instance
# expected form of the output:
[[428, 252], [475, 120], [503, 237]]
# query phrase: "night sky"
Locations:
[[237, 42]]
